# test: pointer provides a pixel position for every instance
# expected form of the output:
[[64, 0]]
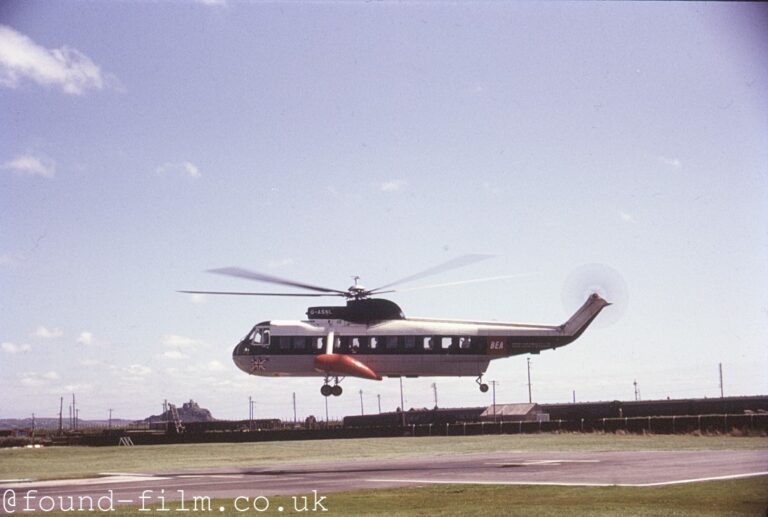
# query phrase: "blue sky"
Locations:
[[146, 142]]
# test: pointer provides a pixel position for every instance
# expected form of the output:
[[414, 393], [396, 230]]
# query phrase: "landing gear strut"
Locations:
[[327, 390], [483, 386]]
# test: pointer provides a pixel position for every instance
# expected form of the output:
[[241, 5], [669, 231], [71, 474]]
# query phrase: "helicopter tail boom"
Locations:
[[581, 319]]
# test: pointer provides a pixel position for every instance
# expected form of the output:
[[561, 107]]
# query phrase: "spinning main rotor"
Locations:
[[354, 292]]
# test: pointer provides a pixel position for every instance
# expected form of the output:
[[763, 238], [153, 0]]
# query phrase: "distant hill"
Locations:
[[53, 423]]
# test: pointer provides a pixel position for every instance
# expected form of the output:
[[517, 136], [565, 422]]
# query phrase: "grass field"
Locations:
[[70, 462]]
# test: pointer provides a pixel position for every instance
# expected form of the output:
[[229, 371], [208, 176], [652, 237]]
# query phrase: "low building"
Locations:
[[514, 413]]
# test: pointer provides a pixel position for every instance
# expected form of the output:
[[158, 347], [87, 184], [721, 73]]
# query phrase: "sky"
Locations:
[[146, 142]]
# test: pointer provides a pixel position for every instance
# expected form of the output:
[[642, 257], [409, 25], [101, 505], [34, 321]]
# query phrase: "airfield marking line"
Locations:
[[526, 463], [82, 481], [471, 482], [714, 478], [565, 483]]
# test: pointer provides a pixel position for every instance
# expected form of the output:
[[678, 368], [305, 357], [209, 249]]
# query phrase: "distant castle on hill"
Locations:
[[188, 412]]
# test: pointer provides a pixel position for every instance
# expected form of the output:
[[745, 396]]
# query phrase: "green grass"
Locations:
[[70, 462], [747, 497]]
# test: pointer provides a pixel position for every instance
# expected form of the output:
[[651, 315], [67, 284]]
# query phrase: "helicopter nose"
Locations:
[[241, 355]]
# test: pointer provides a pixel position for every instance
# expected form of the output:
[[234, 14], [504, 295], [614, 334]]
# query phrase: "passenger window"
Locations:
[[446, 343], [300, 343], [410, 342], [373, 343], [319, 345], [391, 342], [465, 343], [355, 343], [426, 342], [285, 343]]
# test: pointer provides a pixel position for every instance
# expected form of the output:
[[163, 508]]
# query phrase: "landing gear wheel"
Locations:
[[336, 390], [326, 390], [484, 387]]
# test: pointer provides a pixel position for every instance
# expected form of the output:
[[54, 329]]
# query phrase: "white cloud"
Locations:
[[391, 186], [212, 3], [215, 366], [627, 217], [46, 333], [137, 370], [34, 379], [198, 298], [278, 263], [85, 338], [174, 354], [13, 348], [183, 168], [672, 162], [29, 165], [174, 340], [65, 67]]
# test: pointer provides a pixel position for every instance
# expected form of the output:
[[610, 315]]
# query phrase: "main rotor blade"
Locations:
[[462, 282], [454, 263], [257, 294], [260, 277]]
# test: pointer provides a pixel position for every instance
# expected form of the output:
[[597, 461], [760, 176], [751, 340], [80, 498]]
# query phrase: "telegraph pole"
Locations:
[[402, 404], [294, 407], [110, 418], [637, 390], [74, 413], [434, 389], [361, 403], [33, 428], [574, 396], [530, 399], [326, 410], [720, 367], [494, 383], [250, 413], [61, 414], [379, 398]]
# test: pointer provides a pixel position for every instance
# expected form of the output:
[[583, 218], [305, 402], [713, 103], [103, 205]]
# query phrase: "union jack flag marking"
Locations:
[[259, 364]]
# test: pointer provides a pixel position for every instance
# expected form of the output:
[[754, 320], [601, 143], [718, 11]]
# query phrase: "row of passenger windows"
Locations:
[[365, 344]]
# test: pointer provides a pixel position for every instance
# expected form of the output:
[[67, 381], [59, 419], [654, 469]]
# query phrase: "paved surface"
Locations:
[[635, 468]]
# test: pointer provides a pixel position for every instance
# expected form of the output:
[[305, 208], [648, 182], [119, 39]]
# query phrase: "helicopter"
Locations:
[[371, 337]]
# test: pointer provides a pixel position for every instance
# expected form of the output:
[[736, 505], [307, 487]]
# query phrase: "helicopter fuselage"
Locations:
[[357, 341]]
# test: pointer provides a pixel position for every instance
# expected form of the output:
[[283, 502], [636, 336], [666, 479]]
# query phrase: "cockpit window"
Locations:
[[259, 336]]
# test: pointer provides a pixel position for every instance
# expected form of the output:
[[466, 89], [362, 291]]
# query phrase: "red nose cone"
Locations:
[[340, 364]]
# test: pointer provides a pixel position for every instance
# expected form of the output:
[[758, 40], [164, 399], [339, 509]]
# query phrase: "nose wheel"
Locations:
[[327, 390], [483, 386]]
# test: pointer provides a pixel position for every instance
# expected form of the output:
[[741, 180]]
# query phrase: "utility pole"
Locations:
[[637, 390], [720, 367], [361, 403], [530, 399], [61, 414], [71, 425], [402, 404], [74, 413], [326, 410], [294, 407], [574, 396], [110, 418], [434, 389], [33, 428], [494, 383], [250, 413], [379, 398], [77, 419]]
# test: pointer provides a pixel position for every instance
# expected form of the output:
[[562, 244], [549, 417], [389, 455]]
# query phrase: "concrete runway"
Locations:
[[631, 468]]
